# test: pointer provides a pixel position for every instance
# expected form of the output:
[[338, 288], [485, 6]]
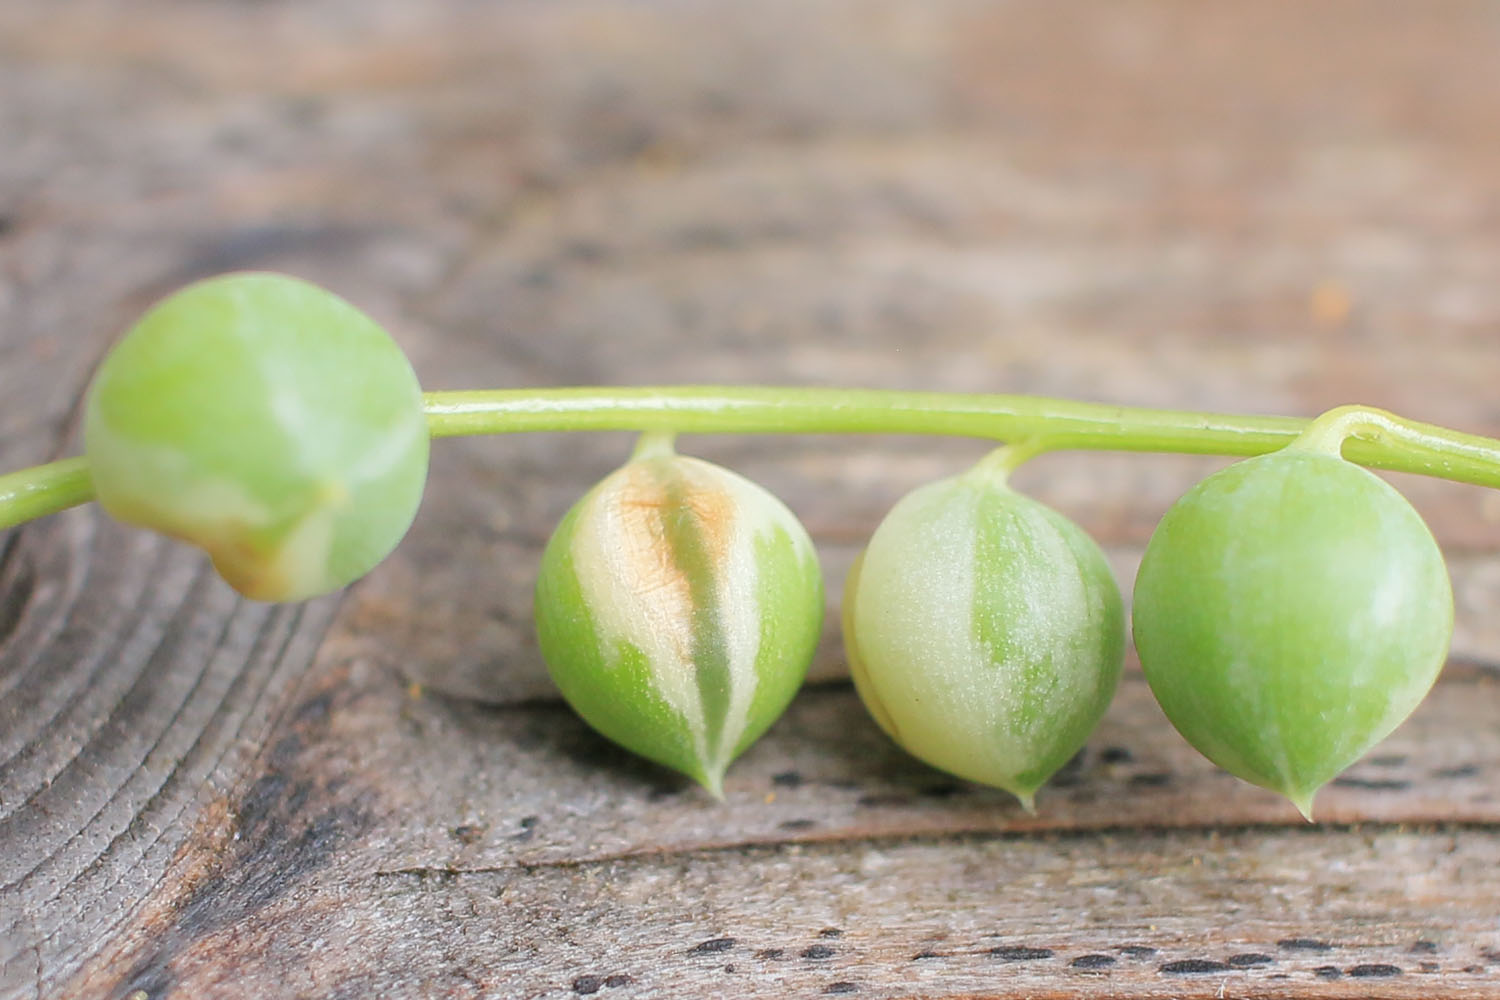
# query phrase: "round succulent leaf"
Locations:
[[1290, 611], [267, 421], [985, 632], [678, 607]]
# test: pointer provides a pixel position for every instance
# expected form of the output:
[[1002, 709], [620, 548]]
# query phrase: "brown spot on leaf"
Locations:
[[646, 500]]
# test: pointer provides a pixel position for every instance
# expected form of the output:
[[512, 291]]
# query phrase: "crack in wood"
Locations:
[[837, 843]]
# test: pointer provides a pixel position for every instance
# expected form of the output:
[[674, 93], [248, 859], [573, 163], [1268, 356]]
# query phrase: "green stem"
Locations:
[[1036, 424], [767, 410], [43, 490], [1055, 424]]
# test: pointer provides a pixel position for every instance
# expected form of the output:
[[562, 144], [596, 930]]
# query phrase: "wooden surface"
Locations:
[[1267, 207]]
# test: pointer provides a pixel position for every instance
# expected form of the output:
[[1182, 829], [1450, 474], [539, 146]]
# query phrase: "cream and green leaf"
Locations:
[[985, 631], [267, 421], [678, 607]]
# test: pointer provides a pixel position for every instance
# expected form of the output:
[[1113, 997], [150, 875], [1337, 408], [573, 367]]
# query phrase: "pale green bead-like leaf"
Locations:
[[678, 607], [267, 421], [984, 632], [1290, 611]]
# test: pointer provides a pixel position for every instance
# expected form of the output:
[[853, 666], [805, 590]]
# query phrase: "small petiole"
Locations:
[[1358, 432], [997, 466], [654, 444]]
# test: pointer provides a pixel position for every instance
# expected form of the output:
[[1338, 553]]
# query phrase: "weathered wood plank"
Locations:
[[164, 701], [536, 787], [1201, 914], [313, 845]]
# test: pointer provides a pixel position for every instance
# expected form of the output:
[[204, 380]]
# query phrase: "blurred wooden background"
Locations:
[[1271, 207]]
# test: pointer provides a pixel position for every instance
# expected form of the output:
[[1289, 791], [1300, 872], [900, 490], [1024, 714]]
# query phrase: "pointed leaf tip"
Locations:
[[713, 782]]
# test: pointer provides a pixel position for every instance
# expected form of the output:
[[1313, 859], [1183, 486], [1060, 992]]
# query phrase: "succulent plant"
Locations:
[[1290, 611], [678, 607], [984, 631], [267, 421]]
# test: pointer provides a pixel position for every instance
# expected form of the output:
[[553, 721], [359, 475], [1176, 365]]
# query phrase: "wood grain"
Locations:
[[1269, 208], [1118, 914]]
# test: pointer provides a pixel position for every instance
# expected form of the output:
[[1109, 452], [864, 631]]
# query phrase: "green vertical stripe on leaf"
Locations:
[[685, 538]]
